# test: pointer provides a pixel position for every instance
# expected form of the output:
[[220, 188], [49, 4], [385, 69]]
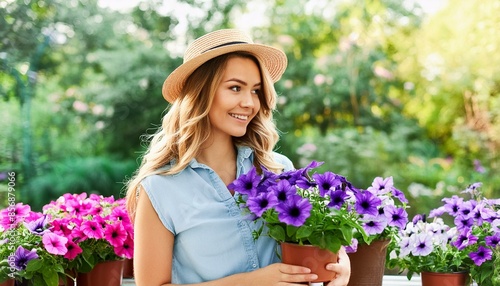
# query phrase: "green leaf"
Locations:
[[291, 230], [50, 277], [277, 232], [34, 265], [304, 232], [333, 243]]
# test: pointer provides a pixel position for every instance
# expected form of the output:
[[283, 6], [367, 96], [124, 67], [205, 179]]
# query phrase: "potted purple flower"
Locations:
[[368, 254], [469, 244], [317, 209]]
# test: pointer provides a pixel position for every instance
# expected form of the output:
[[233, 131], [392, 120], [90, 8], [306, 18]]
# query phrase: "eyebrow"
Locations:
[[242, 82]]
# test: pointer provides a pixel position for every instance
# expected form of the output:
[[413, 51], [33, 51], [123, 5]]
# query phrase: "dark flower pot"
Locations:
[[9, 282], [445, 279], [311, 257], [107, 273], [368, 264]]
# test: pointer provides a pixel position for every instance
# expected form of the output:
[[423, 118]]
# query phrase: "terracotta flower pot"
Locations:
[[9, 282], [108, 273], [368, 264], [128, 268], [445, 279], [311, 257]]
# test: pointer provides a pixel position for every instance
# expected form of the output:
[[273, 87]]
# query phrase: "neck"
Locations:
[[217, 153]]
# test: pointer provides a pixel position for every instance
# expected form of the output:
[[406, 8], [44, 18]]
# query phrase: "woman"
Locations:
[[188, 227]]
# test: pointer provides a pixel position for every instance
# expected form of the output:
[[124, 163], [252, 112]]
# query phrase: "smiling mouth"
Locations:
[[238, 116]]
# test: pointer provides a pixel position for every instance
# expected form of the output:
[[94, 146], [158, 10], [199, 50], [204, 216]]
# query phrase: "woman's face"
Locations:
[[236, 100]]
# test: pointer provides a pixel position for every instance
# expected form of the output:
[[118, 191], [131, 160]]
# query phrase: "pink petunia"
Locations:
[[126, 249], [11, 216], [92, 229], [73, 250], [55, 244], [115, 234]]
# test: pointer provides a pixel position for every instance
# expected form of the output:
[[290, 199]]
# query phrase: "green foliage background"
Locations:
[[373, 88]]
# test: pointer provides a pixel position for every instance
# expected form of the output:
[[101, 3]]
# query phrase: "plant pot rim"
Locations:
[[445, 273]]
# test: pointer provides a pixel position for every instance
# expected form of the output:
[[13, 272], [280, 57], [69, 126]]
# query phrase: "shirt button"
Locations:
[[254, 265]]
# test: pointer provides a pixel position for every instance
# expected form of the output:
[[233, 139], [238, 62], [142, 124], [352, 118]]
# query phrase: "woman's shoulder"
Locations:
[[284, 160]]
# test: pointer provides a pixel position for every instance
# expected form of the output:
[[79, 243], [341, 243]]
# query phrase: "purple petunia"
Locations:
[[381, 185], [367, 203], [39, 226], [481, 255], [452, 205], [423, 245], [337, 199], [22, 256], [464, 239], [283, 190], [374, 224], [397, 217], [246, 183], [295, 211], [261, 202], [493, 240], [327, 182]]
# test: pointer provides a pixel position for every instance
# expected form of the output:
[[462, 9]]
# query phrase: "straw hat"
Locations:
[[218, 43]]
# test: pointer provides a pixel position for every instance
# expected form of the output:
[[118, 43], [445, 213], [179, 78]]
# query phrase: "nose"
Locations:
[[249, 99]]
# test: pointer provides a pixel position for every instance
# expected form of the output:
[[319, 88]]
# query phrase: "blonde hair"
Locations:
[[186, 126]]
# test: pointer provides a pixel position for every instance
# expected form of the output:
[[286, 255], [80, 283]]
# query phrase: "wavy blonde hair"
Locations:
[[186, 126]]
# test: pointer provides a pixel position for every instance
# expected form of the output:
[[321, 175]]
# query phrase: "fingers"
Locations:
[[294, 273], [342, 269]]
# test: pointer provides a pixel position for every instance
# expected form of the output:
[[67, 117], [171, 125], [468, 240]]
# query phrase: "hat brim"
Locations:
[[270, 58]]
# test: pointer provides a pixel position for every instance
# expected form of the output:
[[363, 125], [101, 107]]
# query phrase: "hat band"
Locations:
[[225, 44]]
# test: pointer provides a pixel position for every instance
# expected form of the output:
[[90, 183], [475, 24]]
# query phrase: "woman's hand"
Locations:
[[342, 269], [280, 274]]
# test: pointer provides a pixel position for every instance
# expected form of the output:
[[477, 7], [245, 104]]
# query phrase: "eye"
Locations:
[[235, 88], [256, 91]]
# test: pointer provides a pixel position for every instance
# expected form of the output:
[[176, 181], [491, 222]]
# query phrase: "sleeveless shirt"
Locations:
[[213, 238]]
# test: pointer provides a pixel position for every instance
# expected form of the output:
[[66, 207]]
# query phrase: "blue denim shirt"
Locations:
[[213, 239]]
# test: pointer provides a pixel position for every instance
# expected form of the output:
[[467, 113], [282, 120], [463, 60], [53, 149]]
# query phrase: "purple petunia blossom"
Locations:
[[397, 217], [464, 239], [466, 208], [295, 211], [55, 244], [400, 195], [337, 198], [493, 240], [405, 246], [38, 226], [326, 182], [481, 255], [437, 212], [22, 256], [381, 186], [283, 190], [374, 224], [423, 245], [463, 222], [261, 202], [353, 247], [247, 183], [367, 203], [452, 205], [418, 217]]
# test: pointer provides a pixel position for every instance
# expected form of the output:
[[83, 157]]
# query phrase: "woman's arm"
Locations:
[[153, 248]]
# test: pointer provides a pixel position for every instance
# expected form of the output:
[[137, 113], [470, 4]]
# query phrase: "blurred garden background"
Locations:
[[373, 88]]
